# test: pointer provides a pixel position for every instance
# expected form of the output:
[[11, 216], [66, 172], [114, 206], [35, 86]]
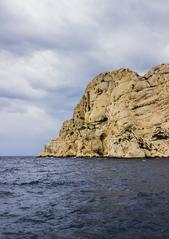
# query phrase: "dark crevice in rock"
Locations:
[[160, 133], [144, 145]]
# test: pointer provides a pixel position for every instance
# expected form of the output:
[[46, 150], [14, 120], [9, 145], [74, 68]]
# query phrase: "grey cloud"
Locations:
[[50, 50], [19, 30]]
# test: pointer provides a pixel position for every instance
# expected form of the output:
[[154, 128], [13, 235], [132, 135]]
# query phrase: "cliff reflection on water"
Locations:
[[84, 198]]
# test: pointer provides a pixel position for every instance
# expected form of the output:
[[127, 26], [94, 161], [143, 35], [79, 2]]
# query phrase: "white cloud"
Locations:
[[25, 128], [33, 75], [13, 77]]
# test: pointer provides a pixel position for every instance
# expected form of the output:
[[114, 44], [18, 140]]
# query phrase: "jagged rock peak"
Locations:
[[121, 114]]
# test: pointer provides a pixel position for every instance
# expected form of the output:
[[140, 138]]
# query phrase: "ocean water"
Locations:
[[84, 198]]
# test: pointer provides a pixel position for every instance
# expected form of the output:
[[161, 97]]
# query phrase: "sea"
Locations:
[[82, 198]]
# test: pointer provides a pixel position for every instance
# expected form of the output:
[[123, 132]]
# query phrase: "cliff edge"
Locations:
[[121, 114]]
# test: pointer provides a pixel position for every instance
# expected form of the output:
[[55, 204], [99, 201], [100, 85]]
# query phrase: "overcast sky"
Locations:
[[50, 50]]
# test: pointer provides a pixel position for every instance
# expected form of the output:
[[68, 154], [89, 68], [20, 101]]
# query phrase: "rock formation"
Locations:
[[121, 114]]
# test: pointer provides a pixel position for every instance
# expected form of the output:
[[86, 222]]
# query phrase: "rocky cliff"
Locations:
[[121, 114]]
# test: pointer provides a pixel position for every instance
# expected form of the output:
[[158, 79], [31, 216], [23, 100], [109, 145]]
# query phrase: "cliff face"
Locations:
[[121, 114]]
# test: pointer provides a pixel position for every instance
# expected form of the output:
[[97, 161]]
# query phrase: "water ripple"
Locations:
[[83, 199]]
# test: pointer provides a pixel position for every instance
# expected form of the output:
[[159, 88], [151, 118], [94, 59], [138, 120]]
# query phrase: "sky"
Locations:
[[51, 49]]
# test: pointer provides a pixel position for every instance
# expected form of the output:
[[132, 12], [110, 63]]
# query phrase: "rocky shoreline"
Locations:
[[120, 115]]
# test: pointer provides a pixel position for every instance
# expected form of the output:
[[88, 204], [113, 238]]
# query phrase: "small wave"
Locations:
[[9, 170], [152, 194], [18, 235], [29, 183], [4, 183], [6, 194], [24, 207], [143, 194], [30, 220], [61, 183]]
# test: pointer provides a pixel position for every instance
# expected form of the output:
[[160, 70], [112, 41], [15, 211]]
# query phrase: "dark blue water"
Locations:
[[83, 198]]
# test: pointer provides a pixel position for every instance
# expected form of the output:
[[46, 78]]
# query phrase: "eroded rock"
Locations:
[[121, 114]]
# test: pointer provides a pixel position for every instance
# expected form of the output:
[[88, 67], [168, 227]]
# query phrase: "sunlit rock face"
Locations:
[[121, 114]]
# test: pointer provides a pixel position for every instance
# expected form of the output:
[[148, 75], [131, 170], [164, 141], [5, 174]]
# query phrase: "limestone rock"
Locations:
[[121, 114]]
